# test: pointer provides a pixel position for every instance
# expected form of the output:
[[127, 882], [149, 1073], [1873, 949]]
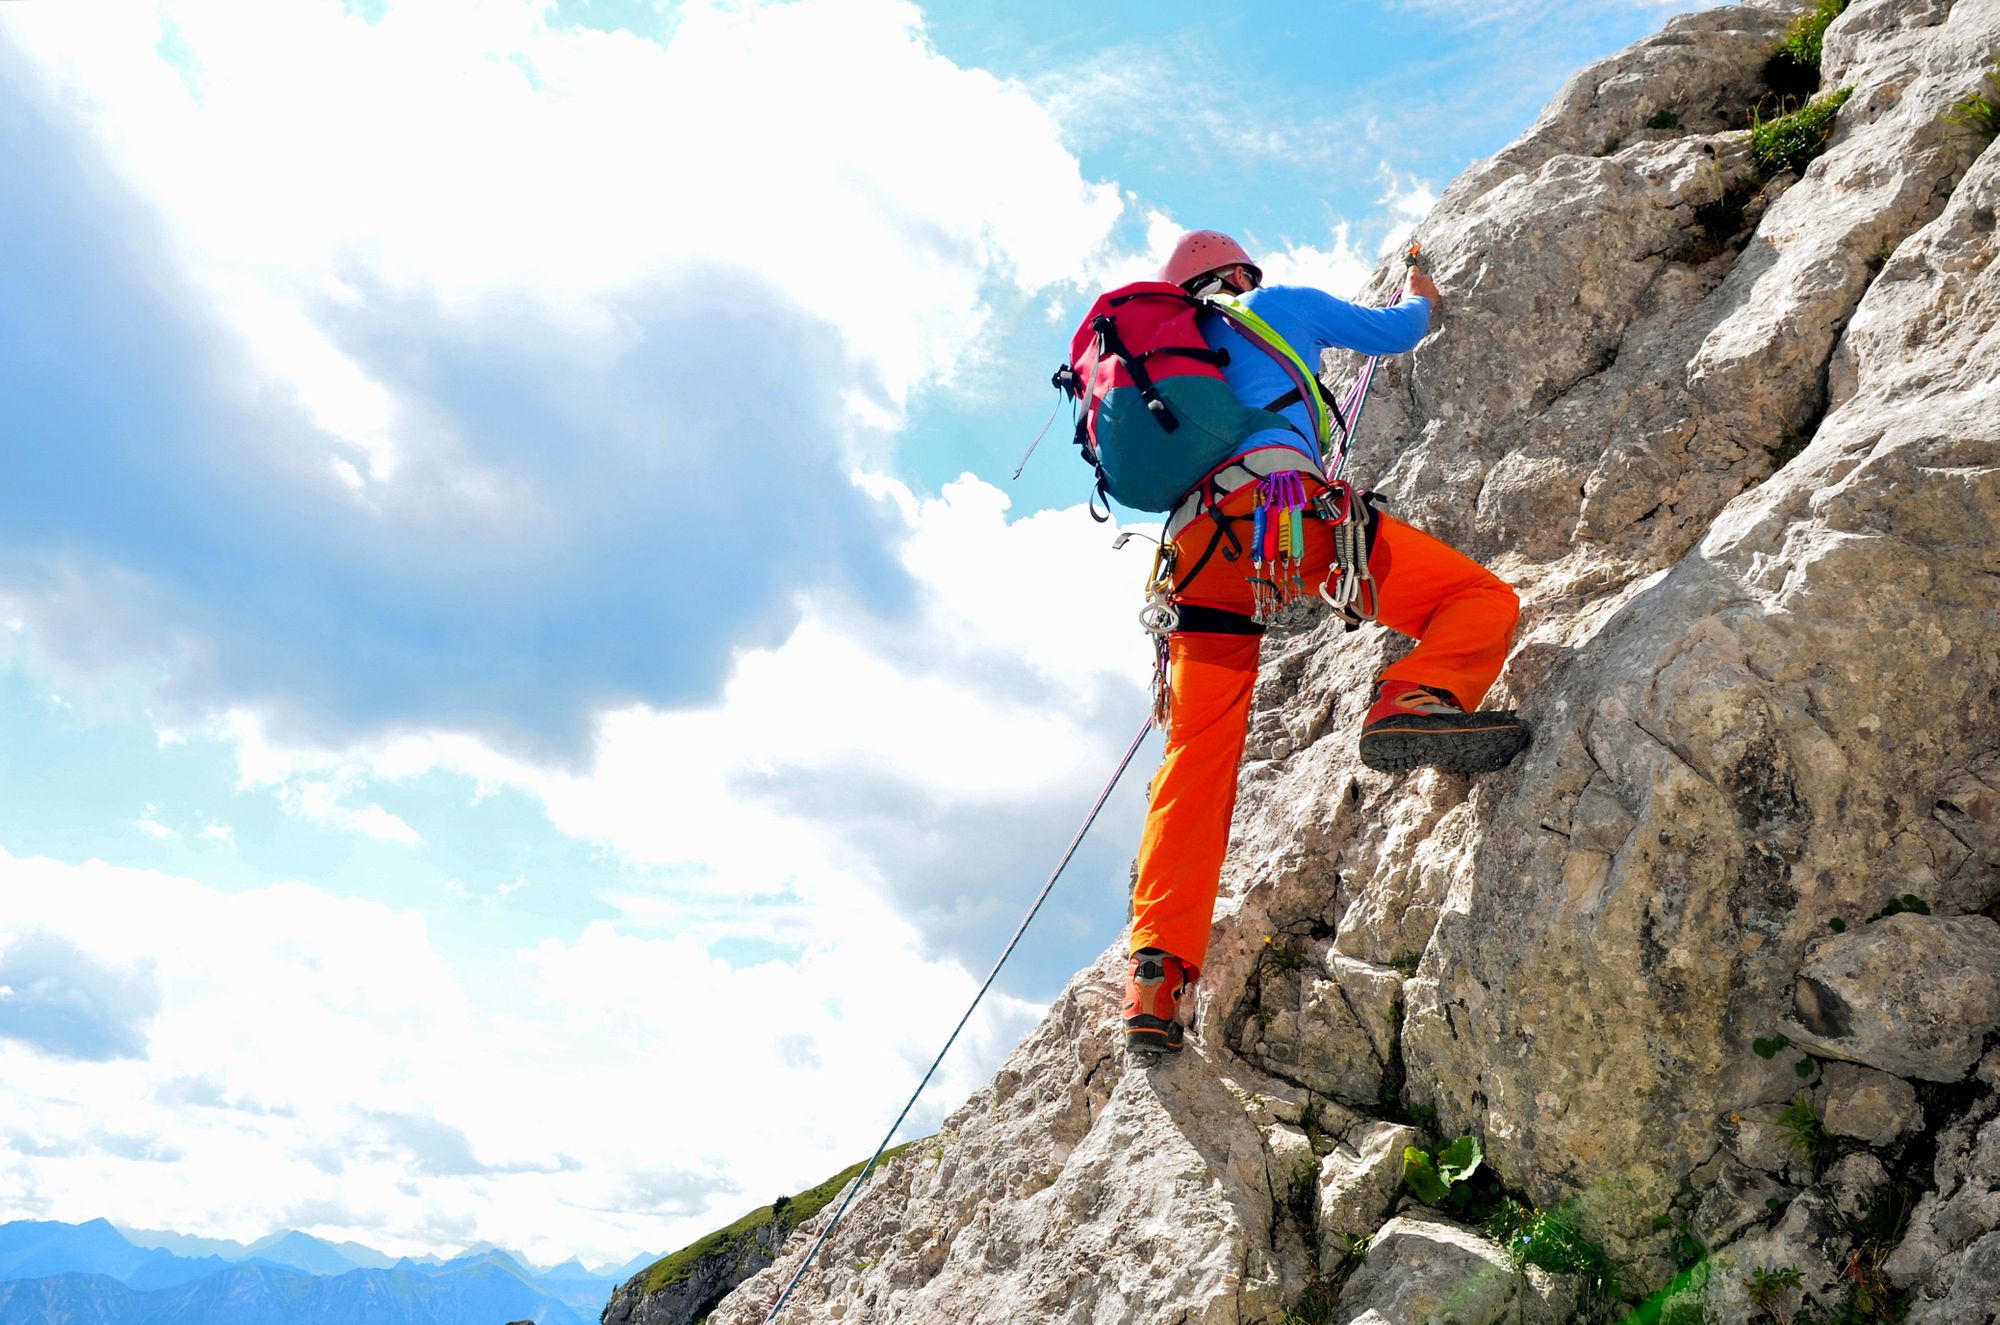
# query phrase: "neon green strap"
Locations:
[[1261, 334]]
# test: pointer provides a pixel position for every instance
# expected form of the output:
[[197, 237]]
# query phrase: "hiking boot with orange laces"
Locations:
[[1412, 725], [1153, 1002]]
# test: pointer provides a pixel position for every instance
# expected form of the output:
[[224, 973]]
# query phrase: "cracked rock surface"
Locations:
[[1737, 443]]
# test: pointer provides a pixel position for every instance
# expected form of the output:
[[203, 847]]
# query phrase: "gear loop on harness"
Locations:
[[1349, 587]]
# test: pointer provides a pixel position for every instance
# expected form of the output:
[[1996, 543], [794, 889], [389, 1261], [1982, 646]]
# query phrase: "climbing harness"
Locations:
[[856, 1186]]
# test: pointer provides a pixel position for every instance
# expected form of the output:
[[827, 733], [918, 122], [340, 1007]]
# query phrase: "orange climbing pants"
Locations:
[[1461, 615]]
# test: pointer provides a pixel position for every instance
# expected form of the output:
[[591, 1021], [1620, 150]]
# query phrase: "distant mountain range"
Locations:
[[98, 1274]]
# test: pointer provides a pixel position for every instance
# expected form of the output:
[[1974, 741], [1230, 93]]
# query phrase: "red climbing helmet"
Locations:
[[1200, 252]]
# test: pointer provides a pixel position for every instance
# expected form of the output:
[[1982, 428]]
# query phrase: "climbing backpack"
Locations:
[[1157, 416]]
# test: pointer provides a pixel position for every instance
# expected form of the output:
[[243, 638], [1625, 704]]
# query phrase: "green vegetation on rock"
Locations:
[[1805, 44], [1979, 111], [788, 1211], [1788, 143]]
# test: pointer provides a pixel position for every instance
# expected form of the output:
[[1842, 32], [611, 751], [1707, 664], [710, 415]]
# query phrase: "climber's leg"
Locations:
[[1462, 617]]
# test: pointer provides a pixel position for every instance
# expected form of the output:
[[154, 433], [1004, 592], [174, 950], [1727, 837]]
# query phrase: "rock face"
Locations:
[[1736, 440], [690, 1297]]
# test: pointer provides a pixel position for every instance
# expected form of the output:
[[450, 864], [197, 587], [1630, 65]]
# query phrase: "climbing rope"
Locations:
[[1048, 887]]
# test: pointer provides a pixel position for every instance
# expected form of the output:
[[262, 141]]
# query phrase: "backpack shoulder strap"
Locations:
[[1306, 385]]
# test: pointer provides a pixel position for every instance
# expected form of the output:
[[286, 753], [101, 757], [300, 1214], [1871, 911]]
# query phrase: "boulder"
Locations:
[[1867, 1105], [1422, 1269], [1915, 995]]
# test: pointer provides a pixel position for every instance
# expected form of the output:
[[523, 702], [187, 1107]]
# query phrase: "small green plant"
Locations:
[[1685, 1246], [1789, 142], [1790, 443], [1406, 966], [1432, 1176], [1804, 1068], [1302, 1192], [1805, 44], [1807, 1134], [1837, 925], [1286, 957], [1663, 119], [1314, 1307], [1548, 1240], [1764, 1048], [1907, 904], [1979, 111], [1875, 1232], [1776, 1293]]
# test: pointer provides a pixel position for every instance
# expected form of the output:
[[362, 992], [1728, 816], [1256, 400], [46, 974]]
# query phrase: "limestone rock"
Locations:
[[1809, 1239], [1736, 441], [1358, 1182], [1912, 994], [1971, 1296], [1868, 1105], [1962, 1208], [1425, 1270], [1734, 1197], [1854, 1182], [1326, 1022]]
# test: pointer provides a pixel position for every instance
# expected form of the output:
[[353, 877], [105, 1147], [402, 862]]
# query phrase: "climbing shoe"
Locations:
[[1153, 1002], [1412, 725]]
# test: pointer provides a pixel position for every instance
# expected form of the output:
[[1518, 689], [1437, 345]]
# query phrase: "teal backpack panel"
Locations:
[[1150, 469]]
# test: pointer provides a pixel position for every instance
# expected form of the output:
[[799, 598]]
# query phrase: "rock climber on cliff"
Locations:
[[1426, 708]]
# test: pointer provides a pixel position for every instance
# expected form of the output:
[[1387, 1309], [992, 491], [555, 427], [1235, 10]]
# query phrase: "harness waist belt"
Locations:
[[1238, 472], [1200, 620]]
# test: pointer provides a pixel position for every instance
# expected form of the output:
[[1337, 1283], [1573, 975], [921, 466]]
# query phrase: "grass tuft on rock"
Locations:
[[1805, 43], [1548, 1240], [1980, 110], [1788, 143], [1807, 1134]]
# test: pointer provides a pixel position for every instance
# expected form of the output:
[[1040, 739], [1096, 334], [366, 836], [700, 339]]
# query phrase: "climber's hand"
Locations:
[[1423, 285]]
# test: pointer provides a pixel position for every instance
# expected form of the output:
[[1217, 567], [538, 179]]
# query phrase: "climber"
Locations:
[[1426, 705]]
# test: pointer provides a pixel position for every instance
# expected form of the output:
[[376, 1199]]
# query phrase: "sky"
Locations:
[[529, 698]]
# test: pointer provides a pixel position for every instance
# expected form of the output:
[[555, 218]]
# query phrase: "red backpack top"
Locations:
[[1157, 414]]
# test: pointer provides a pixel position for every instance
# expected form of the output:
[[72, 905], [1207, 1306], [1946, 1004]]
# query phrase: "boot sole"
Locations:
[[1159, 1040], [1457, 749]]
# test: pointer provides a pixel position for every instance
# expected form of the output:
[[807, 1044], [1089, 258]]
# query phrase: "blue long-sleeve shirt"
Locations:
[[1310, 321]]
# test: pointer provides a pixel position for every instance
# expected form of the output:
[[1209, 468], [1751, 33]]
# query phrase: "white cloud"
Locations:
[[315, 1060], [495, 158], [222, 833], [1338, 268], [1043, 597], [149, 823], [323, 801]]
